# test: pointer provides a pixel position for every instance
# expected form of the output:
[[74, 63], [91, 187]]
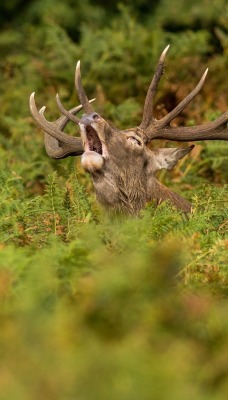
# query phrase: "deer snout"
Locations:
[[88, 119]]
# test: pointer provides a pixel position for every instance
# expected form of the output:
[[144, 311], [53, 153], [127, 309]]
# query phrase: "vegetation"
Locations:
[[92, 306]]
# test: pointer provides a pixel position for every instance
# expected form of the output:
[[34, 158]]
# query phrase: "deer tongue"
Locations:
[[92, 161]]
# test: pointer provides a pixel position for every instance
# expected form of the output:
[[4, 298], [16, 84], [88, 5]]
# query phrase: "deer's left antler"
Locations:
[[161, 129]]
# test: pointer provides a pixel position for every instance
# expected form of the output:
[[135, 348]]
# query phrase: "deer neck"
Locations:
[[121, 192], [129, 194], [160, 193]]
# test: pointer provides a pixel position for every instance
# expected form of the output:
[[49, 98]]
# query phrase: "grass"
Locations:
[[97, 308]]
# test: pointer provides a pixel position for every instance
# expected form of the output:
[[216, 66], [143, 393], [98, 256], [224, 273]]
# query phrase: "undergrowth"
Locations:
[[141, 302]]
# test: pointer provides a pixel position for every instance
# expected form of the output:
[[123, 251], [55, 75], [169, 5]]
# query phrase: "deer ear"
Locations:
[[168, 158]]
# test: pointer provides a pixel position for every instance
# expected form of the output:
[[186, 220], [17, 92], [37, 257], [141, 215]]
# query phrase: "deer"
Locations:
[[121, 164]]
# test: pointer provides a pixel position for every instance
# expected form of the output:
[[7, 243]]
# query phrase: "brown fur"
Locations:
[[127, 179]]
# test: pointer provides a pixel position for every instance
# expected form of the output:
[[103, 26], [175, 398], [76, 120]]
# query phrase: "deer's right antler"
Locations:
[[161, 129], [81, 92], [57, 143]]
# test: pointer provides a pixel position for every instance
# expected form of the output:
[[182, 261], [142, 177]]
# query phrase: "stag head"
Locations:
[[122, 167]]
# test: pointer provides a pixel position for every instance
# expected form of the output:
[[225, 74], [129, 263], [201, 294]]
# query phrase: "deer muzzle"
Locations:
[[93, 142]]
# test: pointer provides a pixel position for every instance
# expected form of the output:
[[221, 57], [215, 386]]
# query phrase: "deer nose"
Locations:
[[95, 116], [89, 118]]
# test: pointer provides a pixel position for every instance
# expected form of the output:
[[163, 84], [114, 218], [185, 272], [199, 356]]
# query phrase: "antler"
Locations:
[[57, 143], [149, 101], [154, 129], [81, 92]]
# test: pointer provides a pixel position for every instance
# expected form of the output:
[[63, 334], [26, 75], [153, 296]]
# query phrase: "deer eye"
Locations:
[[134, 140]]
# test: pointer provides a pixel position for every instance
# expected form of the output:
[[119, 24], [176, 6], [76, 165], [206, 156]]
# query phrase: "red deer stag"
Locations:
[[122, 167]]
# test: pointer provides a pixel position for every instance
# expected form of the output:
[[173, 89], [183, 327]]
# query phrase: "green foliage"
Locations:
[[31, 220], [199, 15], [97, 307], [135, 301], [141, 303]]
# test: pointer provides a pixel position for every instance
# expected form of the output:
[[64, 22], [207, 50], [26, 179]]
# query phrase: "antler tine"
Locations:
[[68, 114], [181, 106], [80, 90], [65, 112], [50, 128], [149, 101], [63, 120]]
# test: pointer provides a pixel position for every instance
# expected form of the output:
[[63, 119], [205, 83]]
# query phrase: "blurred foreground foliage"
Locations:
[[93, 307]]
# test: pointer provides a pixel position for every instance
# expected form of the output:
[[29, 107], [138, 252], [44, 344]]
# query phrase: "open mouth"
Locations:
[[92, 134], [94, 143], [95, 151]]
